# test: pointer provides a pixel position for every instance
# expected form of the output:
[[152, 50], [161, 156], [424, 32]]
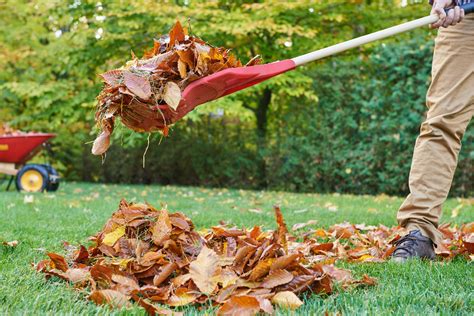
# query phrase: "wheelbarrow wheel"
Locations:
[[32, 178], [53, 176]]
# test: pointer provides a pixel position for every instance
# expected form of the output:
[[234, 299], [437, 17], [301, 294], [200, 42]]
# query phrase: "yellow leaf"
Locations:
[[172, 95], [182, 69], [287, 299], [111, 238]]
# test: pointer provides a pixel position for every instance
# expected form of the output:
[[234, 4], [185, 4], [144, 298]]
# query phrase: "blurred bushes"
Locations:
[[358, 138]]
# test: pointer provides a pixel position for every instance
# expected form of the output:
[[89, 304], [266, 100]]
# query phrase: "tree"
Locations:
[[52, 51]]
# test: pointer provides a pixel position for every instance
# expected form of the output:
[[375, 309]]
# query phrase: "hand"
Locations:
[[453, 17]]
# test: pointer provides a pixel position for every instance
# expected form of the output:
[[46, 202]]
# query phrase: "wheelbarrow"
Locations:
[[15, 151]]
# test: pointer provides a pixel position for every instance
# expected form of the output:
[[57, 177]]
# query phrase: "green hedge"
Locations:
[[358, 138]]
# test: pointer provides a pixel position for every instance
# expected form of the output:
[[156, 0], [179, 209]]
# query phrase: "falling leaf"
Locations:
[[202, 270], [111, 238], [172, 95], [287, 299], [101, 143]]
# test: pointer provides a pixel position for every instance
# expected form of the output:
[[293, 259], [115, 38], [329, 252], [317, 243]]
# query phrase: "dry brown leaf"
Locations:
[[58, 261], [276, 278], [261, 270], [12, 243], [182, 297], [109, 297], [166, 271], [468, 242], [77, 275], [287, 299], [240, 306], [111, 238], [177, 34], [172, 95], [182, 69], [203, 269], [303, 225], [162, 228], [137, 85]]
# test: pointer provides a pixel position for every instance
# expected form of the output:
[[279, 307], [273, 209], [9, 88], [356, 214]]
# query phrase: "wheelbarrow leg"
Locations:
[[10, 182]]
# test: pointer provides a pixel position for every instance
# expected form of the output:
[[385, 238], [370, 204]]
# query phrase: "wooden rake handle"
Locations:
[[356, 42]]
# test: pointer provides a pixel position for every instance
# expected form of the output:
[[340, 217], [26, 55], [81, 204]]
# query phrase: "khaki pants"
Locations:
[[450, 102]]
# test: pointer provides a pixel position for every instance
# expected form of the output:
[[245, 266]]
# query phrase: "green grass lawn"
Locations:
[[77, 211]]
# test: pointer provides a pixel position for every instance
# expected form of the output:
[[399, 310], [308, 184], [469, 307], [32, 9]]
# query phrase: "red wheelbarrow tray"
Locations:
[[18, 149]]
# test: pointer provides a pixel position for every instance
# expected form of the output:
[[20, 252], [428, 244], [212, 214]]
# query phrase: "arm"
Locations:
[[453, 17]]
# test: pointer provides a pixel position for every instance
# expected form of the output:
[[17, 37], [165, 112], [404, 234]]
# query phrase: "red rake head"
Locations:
[[226, 82]]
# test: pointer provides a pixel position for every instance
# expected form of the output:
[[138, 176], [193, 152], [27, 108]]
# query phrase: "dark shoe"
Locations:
[[413, 245]]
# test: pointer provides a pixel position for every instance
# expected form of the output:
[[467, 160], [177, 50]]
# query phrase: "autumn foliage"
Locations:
[[146, 93], [156, 258]]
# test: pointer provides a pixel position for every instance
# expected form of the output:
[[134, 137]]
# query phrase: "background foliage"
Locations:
[[345, 124]]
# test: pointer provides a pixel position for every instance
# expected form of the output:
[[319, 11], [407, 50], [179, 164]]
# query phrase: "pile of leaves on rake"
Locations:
[[157, 259], [146, 93], [6, 130]]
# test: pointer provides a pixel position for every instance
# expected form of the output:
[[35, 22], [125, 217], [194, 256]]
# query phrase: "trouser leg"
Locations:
[[450, 101]]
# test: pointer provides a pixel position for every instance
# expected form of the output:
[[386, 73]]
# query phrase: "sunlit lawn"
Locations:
[[77, 211]]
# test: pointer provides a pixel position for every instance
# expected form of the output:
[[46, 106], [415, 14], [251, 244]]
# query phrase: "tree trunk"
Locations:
[[261, 114]]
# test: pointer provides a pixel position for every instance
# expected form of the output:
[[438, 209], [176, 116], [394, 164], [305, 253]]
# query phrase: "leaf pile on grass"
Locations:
[[146, 93], [151, 256], [362, 243], [158, 260]]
